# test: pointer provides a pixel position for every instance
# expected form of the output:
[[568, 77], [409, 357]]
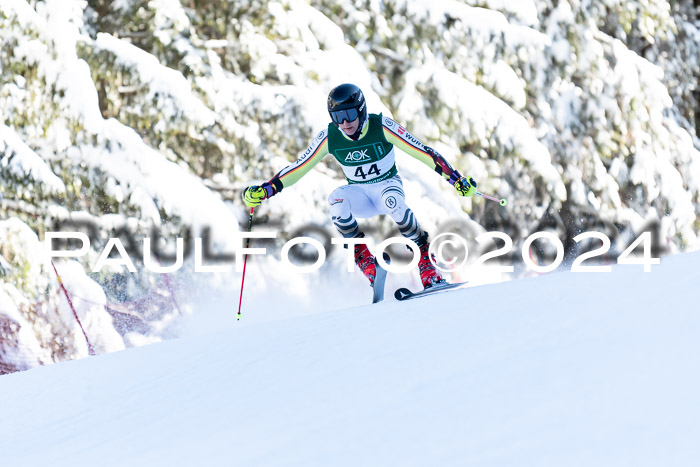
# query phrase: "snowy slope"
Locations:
[[562, 370]]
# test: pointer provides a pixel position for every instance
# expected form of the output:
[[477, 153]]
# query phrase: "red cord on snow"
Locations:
[[91, 350]]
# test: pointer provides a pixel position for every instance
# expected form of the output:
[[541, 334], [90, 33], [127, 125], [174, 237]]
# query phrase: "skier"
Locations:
[[363, 144]]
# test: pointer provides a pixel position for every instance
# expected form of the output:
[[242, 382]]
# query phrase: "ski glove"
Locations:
[[465, 186], [254, 195]]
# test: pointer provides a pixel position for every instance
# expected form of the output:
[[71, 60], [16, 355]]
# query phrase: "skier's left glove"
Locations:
[[465, 186], [254, 195]]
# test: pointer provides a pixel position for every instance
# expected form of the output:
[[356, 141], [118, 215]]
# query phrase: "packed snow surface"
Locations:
[[566, 369]]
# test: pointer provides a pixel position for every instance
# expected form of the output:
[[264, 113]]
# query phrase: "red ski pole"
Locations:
[[245, 263]]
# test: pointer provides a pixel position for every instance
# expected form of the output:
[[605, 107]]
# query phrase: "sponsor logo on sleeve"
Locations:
[[314, 146], [412, 139], [306, 154]]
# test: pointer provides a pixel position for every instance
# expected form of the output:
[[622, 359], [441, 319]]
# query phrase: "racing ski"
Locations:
[[405, 294], [379, 279]]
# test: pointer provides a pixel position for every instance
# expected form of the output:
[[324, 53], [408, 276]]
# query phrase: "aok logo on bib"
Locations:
[[357, 156], [360, 155]]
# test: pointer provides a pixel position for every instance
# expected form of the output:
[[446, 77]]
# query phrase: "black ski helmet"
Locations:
[[344, 97]]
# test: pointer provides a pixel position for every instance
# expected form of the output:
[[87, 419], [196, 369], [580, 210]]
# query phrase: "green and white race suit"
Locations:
[[370, 159]]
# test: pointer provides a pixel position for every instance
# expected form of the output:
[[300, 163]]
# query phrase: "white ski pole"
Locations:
[[501, 201]]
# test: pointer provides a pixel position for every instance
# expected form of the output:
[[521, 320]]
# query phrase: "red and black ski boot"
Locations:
[[429, 275], [365, 261]]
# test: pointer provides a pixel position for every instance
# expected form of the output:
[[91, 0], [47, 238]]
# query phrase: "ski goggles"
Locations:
[[350, 115]]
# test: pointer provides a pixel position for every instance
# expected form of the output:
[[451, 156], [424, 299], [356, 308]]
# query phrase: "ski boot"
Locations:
[[365, 261], [429, 275]]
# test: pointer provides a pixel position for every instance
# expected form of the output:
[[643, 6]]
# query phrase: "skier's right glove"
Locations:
[[254, 195]]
